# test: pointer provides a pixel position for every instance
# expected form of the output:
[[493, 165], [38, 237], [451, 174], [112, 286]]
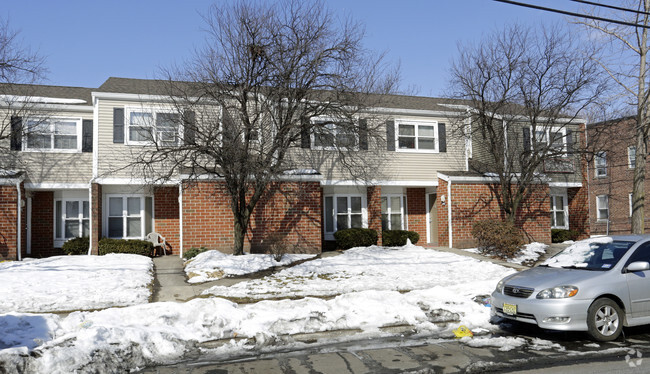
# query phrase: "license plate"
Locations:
[[509, 309]]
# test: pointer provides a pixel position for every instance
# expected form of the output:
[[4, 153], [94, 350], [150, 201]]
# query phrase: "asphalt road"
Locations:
[[417, 354]]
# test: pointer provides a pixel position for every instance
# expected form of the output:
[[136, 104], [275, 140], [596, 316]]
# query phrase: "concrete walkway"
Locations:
[[170, 282]]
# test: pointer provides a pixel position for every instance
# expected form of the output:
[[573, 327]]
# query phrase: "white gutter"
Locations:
[[19, 223], [180, 215], [90, 213], [451, 231]]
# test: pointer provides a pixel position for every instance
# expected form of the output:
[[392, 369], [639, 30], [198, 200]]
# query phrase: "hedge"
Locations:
[[560, 235], [138, 247], [357, 237], [76, 246], [498, 238], [396, 238]]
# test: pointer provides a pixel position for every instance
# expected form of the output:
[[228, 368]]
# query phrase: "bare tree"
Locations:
[[627, 66], [271, 81], [19, 67], [525, 90]]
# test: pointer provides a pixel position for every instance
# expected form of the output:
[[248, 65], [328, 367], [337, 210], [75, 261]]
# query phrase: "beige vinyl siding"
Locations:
[[52, 166]]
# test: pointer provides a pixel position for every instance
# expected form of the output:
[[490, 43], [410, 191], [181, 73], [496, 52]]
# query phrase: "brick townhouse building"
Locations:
[[611, 176], [73, 177]]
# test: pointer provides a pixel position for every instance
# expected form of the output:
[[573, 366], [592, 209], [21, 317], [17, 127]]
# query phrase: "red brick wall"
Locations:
[[474, 202], [8, 217], [43, 225], [417, 212], [443, 214], [96, 216], [614, 138], [578, 199], [291, 211], [374, 210], [166, 215]]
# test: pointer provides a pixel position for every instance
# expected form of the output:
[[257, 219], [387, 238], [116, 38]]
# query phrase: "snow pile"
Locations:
[[504, 343], [529, 254], [166, 332], [65, 283], [211, 265], [374, 268]]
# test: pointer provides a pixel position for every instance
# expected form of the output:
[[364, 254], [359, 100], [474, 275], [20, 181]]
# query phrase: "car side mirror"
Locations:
[[638, 266]]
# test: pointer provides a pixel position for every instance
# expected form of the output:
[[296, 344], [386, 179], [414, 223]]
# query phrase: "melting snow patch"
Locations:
[[505, 343]]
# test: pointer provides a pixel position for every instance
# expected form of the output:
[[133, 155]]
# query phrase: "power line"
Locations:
[[572, 13], [611, 7]]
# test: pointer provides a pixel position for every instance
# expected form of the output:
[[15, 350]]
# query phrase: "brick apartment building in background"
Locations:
[[611, 175], [72, 178]]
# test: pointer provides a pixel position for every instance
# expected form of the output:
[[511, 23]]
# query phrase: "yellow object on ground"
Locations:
[[462, 331]]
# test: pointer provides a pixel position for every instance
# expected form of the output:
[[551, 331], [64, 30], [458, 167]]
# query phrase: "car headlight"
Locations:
[[500, 285], [560, 292]]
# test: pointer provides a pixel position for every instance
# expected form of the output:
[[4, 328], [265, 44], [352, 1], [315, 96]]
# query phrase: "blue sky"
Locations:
[[85, 42]]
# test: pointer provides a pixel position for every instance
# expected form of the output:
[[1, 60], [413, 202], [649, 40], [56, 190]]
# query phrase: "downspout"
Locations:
[[180, 215], [451, 231], [19, 223]]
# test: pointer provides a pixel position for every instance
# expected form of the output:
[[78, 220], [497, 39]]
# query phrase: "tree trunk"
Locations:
[[240, 235]]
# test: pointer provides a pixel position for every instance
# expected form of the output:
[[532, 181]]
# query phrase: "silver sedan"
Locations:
[[596, 285]]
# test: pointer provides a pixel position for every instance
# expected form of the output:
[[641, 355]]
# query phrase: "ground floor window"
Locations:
[[343, 212], [559, 212], [602, 207], [128, 216], [392, 212], [71, 218]]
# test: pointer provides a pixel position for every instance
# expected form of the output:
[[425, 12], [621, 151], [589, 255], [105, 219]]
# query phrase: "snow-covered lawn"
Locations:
[[374, 268], [212, 265], [66, 283], [363, 288]]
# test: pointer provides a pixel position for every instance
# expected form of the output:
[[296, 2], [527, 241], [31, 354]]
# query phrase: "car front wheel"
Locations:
[[604, 320]]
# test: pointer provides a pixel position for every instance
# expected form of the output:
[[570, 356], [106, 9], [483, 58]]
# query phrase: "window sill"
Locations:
[[408, 150], [31, 150]]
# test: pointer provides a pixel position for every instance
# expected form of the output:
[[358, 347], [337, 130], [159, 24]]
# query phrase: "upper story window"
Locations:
[[331, 135], [631, 157], [601, 164], [554, 137], [53, 134], [146, 126], [417, 136]]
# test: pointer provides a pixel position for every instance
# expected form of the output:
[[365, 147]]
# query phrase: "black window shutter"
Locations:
[[442, 137], [305, 139], [569, 141], [363, 134], [189, 133], [16, 133], [118, 125], [526, 138], [390, 135], [87, 136]]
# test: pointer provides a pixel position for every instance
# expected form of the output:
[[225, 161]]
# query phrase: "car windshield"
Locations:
[[590, 254]]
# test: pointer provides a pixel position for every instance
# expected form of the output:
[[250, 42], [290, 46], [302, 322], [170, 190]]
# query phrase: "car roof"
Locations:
[[630, 238]]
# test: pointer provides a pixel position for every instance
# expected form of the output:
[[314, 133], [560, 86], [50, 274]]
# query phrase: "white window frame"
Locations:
[[51, 123], [334, 127], [599, 207], [631, 161], [125, 216], [58, 241], [329, 235], [389, 212], [629, 197], [417, 124], [565, 210], [154, 114], [547, 137], [598, 166]]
